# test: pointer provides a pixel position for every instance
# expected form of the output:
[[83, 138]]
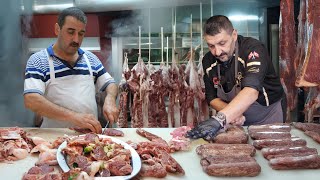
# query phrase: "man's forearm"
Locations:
[[112, 93], [218, 104], [40, 105], [240, 103]]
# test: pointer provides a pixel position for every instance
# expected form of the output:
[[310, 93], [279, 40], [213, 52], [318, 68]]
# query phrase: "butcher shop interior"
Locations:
[[150, 89]]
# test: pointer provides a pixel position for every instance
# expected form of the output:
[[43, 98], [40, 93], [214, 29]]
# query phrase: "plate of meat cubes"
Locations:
[[98, 156]]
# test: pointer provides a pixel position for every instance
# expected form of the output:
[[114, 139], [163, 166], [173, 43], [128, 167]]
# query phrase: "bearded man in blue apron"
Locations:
[[62, 80], [240, 81]]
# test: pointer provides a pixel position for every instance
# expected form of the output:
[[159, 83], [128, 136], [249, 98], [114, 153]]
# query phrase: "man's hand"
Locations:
[[239, 121], [87, 121], [110, 109], [111, 112], [207, 129]]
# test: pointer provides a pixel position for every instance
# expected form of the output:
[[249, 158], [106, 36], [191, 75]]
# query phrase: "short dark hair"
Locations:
[[215, 24], [74, 12]]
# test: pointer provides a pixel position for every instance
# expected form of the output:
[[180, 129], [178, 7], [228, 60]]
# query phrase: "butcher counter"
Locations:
[[189, 160]]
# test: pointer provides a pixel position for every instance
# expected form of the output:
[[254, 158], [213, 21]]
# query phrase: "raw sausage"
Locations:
[[284, 127], [230, 166], [225, 149], [301, 162], [259, 144], [270, 153], [270, 135]]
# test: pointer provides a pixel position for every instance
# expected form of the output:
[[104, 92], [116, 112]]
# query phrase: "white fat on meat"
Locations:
[[39, 140], [94, 167], [180, 131], [42, 148], [7, 134], [84, 176], [20, 153], [179, 141], [48, 157]]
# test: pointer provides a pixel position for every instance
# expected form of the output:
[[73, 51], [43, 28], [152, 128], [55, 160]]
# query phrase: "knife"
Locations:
[[105, 128]]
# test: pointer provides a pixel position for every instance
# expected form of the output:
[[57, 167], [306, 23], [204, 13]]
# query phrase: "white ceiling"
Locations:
[[48, 6]]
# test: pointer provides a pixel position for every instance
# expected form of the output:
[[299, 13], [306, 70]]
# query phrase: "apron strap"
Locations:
[[88, 64], [51, 66], [218, 69], [235, 65], [236, 61]]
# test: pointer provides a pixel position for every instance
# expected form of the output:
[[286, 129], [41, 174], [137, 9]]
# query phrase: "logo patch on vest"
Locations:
[[253, 55], [253, 70], [215, 81]]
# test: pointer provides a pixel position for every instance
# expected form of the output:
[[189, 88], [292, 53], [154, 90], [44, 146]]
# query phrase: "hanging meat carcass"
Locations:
[[174, 85], [300, 51], [312, 103], [203, 105], [193, 88], [124, 95], [184, 95], [163, 79], [308, 59], [144, 95], [138, 75], [152, 96], [287, 52], [309, 74]]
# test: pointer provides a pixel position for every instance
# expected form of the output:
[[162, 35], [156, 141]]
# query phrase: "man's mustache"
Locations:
[[73, 44], [222, 54]]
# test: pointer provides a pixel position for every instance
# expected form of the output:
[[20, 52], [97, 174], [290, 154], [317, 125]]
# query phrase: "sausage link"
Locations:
[[263, 143], [301, 162], [270, 153], [230, 166], [225, 149]]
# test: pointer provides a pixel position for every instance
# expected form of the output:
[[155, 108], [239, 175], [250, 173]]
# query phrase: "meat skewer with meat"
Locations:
[[174, 84], [138, 76], [124, 94]]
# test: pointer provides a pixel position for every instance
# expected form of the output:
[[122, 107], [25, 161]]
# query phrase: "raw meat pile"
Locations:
[[179, 142], [14, 144], [98, 156], [155, 155], [310, 129], [108, 131], [87, 156], [283, 150], [46, 166]]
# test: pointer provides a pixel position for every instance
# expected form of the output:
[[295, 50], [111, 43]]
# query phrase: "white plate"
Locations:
[[135, 159]]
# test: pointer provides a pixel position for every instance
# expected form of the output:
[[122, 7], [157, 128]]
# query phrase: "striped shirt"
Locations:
[[37, 73]]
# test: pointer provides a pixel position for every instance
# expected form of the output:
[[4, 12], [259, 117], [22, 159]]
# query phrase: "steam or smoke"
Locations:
[[12, 65], [128, 23]]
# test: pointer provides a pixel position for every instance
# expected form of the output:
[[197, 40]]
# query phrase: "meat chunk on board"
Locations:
[[233, 135]]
